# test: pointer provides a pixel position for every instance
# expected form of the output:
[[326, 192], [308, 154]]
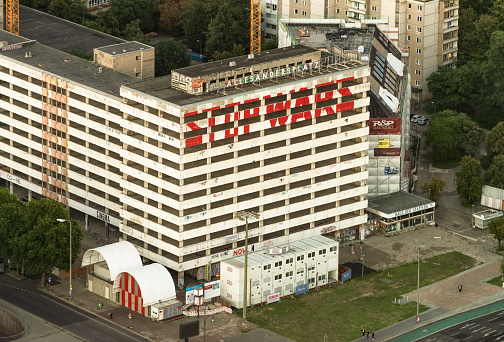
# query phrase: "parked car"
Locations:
[[415, 118], [423, 121]]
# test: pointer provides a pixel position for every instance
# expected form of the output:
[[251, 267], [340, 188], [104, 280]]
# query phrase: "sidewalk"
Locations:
[[223, 325]]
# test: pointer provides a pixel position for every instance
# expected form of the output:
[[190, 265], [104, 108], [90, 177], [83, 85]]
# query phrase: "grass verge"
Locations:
[[342, 311], [496, 281]]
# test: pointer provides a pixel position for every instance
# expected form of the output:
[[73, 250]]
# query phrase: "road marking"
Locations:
[[475, 325], [87, 315], [493, 319], [491, 332]]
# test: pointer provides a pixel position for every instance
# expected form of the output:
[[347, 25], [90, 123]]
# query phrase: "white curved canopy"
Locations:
[[120, 257], [154, 281]]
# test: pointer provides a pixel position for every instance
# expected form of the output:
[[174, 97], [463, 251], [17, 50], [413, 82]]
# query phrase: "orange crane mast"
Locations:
[[255, 26], [12, 16]]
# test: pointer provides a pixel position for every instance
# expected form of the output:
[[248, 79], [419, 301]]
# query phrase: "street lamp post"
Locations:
[[70, 258], [244, 216], [363, 265], [434, 103], [204, 328], [472, 217], [418, 283], [199, 41]]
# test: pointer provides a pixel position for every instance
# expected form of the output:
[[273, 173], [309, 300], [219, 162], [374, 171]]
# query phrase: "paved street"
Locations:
[[61, 314], [485, 328]]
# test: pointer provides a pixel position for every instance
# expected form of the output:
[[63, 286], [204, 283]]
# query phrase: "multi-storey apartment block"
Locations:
[[171, 160], [429, 29]]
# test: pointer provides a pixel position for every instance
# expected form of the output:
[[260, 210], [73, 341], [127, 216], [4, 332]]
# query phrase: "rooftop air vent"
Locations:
[[251, 56], [124, 50], [100, 70], [28, 54], [232, 64], [113, 52]]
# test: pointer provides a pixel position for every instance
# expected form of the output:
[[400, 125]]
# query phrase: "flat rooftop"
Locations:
[[399, 201], [160, 87], [243, 61], [61, 34], [66, 66], [126, 47], [345, 38]]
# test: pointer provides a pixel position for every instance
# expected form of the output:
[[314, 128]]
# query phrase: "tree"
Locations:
[[107, 20], [448, 130], [434, 188], [170, 12], [230, 26], [469, 179], [43, 243], [145, 11], [81, 53], [494, 176], [11, 211], [475, 40], [454, 88], [238, 50], [270, 44], [61, 9], [494, 142], [496, 227], [133, 32], [201, 12], [170, 54]]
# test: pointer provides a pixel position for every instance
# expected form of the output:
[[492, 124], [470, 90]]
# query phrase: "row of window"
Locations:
[[418, 7], [418, 29], [419, 19], [299, 258]]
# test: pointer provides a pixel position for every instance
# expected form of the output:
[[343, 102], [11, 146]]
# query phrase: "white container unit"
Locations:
[[313, 260]]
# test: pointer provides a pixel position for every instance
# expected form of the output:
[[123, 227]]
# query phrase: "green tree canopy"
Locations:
[[61, 9], [494, 176], [434, 188], [494, 142], [230, 26], [469, 179], [238, 50], [269, 44], [31, 235], [145, 11], [201, 12], [448, 130], [170, 54], [170, 13], [474, 42], [133, 32], [496, 228]]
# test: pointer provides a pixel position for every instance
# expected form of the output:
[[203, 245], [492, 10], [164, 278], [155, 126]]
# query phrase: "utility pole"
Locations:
[[418, 284], [245, 215]]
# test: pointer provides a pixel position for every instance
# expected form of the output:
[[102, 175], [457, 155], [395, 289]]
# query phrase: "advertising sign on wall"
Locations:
[[384, 126], [301, 289], [190, 293], [212, 289], [387, 152], [274, 297], [391, 170], [384, 143]]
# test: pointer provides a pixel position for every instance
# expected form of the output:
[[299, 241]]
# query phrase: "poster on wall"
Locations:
[[387, 152], [391, 170], [190, 293], [212, 289], [384, 126], [384, 143]]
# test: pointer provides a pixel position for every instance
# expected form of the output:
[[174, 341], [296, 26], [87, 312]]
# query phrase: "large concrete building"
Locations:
[[171, 160], [429, 29]]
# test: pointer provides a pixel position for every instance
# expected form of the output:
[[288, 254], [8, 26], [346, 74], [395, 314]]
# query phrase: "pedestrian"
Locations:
[[110, 315], [372, 335], [367, 334], [363, 333], [460, 288]]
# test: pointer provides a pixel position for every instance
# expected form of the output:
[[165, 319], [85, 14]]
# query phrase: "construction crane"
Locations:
[[12, 16], [255, 26]]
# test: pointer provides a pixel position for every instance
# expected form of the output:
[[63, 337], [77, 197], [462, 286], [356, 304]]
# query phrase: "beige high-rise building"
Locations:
[[429, 29]]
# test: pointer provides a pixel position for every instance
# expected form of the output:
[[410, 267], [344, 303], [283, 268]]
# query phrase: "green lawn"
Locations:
[[342, 311], [496, 281]]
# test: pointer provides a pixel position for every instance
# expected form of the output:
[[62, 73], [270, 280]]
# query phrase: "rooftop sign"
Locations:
[[263, 76]]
